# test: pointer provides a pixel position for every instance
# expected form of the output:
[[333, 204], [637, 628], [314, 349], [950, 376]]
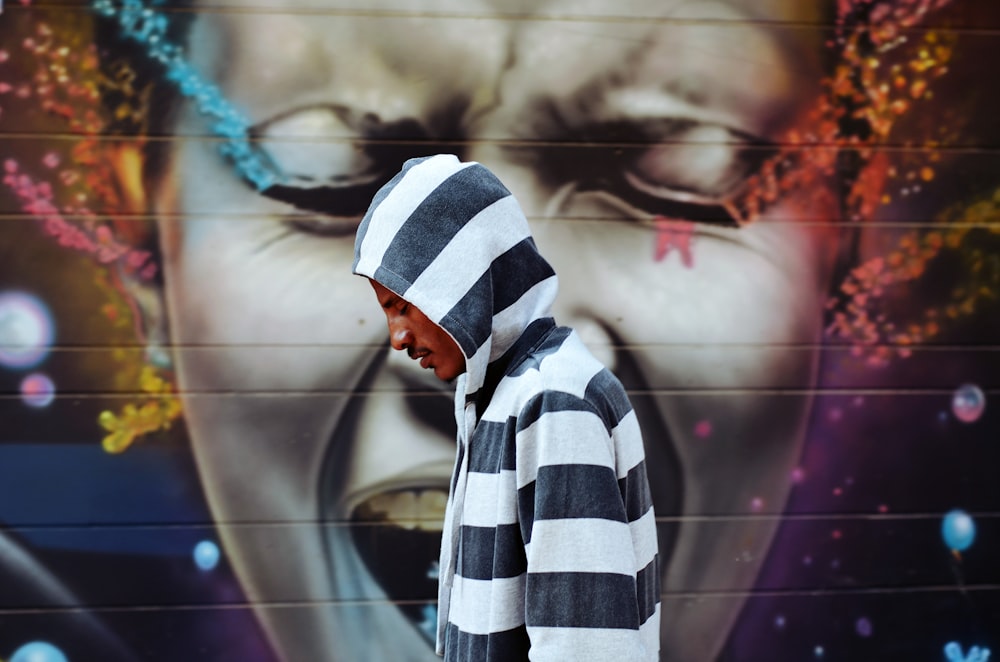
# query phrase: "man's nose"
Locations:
[[400, 336]]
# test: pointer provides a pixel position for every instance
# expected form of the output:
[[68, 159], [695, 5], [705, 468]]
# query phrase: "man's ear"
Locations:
[[140, 202]]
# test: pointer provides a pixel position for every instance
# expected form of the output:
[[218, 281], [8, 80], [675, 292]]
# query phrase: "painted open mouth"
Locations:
[[396, 531], [398, 534]]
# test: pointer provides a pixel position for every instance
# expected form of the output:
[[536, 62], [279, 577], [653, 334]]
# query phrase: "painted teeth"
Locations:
[[408, 509]]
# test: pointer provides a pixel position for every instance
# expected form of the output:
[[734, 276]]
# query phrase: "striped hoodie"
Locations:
[[549, 544]]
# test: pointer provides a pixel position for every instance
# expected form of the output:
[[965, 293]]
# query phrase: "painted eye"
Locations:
[[670, 167], [315, 146], [704, 161], [333, 161], [691, 177]]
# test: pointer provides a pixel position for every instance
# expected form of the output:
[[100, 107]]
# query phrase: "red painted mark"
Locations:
[[673, 234]]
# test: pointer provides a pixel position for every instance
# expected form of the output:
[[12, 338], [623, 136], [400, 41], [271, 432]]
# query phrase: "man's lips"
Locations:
[[422, 355]]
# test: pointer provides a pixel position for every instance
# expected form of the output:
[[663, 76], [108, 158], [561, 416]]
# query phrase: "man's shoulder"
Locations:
[[558, 360], [572, 366], [561, 364]]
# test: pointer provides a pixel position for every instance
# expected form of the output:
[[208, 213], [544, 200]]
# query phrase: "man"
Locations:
[[549, 546]]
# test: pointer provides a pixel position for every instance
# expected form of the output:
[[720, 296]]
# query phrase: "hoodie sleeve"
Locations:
[[592, 582]]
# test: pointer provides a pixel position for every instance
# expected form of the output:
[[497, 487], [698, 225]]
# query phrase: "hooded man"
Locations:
[[549, 547]]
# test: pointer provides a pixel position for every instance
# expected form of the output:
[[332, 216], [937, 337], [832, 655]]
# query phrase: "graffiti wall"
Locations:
[[776, 221]]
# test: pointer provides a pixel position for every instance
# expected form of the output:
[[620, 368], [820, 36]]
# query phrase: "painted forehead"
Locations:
[[369, 62], [641, 83]]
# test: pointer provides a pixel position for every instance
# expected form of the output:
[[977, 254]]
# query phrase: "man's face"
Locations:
[[422, 340], [298, 414]]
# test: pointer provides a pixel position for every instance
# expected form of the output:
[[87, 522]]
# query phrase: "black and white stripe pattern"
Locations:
[[557, 533], [549, 541]]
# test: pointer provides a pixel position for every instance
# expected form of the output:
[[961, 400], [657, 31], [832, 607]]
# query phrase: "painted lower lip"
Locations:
[[425, 361]]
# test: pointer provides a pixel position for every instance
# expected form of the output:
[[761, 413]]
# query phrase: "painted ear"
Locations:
[[152, 325], [143, 288]]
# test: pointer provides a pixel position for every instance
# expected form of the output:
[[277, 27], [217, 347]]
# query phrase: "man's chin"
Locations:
[[447, 377]]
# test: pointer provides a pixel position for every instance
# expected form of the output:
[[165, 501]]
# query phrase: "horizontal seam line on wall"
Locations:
[[844, 518], [668, 595], [703, 390], [641, 19], [502, 142]]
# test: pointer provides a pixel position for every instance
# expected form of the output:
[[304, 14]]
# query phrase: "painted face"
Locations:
[[298, 412], [421, 339]]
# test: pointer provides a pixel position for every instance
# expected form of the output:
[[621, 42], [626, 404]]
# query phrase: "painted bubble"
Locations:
[[428, 622], [818, 651], [206, 555], [953, 652], [37, 390], [958, 530], [780, 622], [863, 626], [968, 403], [38, 651], [26, 330]]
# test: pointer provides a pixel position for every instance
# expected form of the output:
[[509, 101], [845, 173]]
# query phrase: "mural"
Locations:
[[775, 221]]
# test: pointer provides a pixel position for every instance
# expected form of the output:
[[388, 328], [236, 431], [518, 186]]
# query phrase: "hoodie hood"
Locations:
[[449, 238]]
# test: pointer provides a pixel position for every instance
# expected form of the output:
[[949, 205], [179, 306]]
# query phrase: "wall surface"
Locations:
[[775, 220]]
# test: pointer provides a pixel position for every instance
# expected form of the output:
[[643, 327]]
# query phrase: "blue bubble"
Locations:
[[863, 626], [968, 403], [26, 330], [206, 555], [38, 651], [37, 390], [953, 651], [428, 622], [958, 530]]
